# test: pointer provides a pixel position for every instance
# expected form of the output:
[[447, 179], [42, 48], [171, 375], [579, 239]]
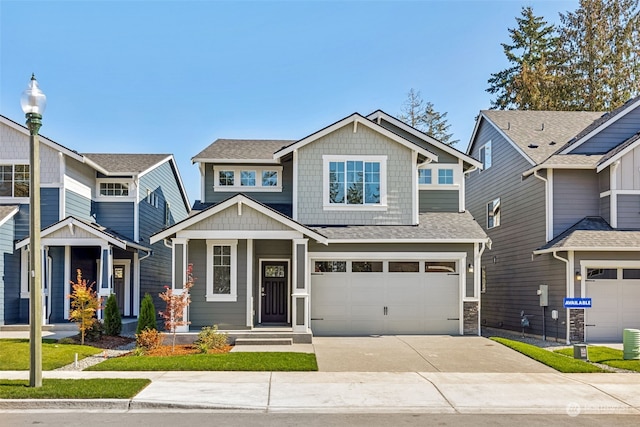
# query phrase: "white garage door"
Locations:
[[615, 303], [385, 297]]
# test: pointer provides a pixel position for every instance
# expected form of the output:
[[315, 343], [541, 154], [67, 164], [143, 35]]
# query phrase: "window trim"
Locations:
[[232, 296], [491, 202], [13, 164], [237, 178], [483, 155], [129, 182], [435, 176], [327, 206]]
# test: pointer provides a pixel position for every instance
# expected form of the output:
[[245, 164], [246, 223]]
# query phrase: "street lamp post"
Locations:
[[33, 102]]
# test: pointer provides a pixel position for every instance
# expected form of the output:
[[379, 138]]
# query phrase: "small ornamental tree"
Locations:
[[173, 315], [84, 304], [112, 318], [147, 317]]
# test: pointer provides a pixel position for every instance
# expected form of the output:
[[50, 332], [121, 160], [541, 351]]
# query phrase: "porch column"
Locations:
[[180, 261], [300, 288], [105, 275]]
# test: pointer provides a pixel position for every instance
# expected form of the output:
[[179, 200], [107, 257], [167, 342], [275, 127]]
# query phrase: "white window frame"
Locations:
[[237, 178], [483, 155], [152, 198], [492, 202], [232, 296], [129, 182], [435, 174], [13, 164], [327, 206]]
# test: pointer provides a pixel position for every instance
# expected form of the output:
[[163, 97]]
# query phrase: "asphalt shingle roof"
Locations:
[[541, 133], [125, 163], [433, 226], [594, 232], [242, 149], [564, 160], [5, 210]]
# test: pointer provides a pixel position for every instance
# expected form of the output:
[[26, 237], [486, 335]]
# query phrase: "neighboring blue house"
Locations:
[[358, 228], [98, 212], [559, 196]]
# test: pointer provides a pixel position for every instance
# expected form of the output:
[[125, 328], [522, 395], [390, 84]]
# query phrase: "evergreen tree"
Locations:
[[112, 318], [147, 316], [531, 82], [601, 56], [423, 116]]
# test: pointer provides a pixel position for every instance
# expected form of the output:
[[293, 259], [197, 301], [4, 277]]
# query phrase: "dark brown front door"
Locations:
[[274, 292], [119, 285]]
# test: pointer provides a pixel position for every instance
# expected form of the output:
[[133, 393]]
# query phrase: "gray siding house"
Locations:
[[559, 196], [358, 228], [98, 212]]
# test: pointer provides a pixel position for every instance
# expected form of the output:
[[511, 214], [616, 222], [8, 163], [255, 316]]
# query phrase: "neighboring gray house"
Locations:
[[97, 210], [358, 228], [559, 196]]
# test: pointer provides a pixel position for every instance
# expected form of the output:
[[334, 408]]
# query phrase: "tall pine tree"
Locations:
[[531, 81], [423, 116]]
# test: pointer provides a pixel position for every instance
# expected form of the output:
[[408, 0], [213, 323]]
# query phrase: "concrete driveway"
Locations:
[[420, 353]]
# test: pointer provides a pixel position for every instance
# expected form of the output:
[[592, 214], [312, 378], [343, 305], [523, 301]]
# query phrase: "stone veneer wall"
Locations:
[[576, 325], [470, 318]]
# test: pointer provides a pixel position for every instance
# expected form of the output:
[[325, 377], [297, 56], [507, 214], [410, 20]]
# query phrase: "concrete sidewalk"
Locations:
[[361, 392]]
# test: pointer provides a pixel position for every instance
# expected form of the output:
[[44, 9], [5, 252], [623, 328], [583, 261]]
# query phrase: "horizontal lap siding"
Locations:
[[438, 201], [227, 315], [629, 211], [612, 136], [50, 206], [10, 275], [56, 253], [575, 195], [78, 206], [512, 281], [155, 271], [605, 208]]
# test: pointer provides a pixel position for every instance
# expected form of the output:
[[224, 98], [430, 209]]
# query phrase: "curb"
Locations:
[[47, 404]]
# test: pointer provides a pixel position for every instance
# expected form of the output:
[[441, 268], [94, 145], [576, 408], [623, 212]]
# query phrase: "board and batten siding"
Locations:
[[512, 276], [10, 277], [365, 142], [438, 201], [575, 195], [612, 136], [267, 197], [227, 315]]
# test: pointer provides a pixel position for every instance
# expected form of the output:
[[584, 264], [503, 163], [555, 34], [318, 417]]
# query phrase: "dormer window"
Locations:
[[439, 176], [247, 178], [14, 180]]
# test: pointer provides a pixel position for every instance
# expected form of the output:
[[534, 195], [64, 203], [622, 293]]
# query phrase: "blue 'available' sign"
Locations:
[[577, 303]]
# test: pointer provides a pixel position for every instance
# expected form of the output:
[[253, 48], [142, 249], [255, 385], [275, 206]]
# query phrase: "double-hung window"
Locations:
[[14, 180], [221, 270], [354, 182]]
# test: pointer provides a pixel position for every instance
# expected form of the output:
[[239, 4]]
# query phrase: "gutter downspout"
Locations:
[[149, 253], [477, 279], [569, 289], [548, 208]]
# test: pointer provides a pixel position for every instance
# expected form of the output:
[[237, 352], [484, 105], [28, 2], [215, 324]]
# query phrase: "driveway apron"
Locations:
[[420, 353]]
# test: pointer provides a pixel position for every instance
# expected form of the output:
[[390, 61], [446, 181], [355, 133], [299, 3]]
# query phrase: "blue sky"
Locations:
[[173, 76]]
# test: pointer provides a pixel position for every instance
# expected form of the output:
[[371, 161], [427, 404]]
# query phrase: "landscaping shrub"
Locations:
[[66, 340], [149, 339], [147, 317], [209, 338], [112, 318], [95, 332]]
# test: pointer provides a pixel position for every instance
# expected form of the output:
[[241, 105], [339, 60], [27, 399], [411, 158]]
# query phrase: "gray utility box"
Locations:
[[580, 352]]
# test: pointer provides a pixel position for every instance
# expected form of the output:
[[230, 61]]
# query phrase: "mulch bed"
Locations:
[[106, 342], [182, 349]]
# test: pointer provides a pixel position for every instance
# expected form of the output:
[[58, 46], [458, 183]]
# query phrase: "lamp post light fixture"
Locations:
[[33, 103]]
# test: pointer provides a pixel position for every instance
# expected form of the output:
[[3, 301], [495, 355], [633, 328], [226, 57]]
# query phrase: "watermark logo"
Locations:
[[573, 409]]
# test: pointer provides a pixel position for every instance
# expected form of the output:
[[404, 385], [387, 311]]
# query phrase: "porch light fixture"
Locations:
[[578, 276], [33, 103], [470, 268]]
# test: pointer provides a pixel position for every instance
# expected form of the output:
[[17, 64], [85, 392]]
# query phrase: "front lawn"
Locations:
[[556, 361], [606, 356], [241, 361], [14, 354], [98, 388]]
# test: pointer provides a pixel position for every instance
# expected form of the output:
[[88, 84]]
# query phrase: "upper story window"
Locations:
[[493, 213], [354, 182], [152, 198], [263, 178], [486, 155], [439, 176], [14, 180], [116, 189]]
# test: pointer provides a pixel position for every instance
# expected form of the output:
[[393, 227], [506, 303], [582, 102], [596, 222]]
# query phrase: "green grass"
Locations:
[[607, 356], [242, 361], [99, 388], [14, 354], [556, 361]]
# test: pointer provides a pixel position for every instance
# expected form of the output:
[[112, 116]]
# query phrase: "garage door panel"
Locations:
[[614, 307]]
